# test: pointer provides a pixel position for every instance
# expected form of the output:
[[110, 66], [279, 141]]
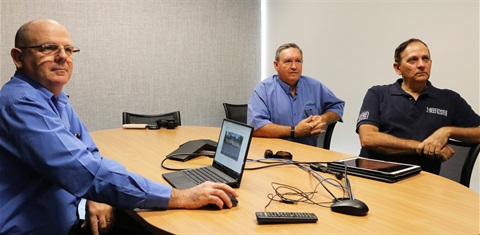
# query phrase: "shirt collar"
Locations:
[[62, 99], [396, 89], [286, 87]]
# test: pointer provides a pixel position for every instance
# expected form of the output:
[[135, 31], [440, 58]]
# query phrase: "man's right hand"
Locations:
[[202, 195], [310, 126], [444, 154]]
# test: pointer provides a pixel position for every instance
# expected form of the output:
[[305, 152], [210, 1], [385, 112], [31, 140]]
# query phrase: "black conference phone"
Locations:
[[192, 149]]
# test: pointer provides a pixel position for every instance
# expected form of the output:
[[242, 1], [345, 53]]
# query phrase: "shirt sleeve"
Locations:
[[465, 116], [370, 109], [64, 152], [258, 114], [330, 103]]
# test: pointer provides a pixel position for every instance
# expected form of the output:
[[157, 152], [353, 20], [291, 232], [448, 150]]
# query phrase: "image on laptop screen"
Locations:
[[233, 144]]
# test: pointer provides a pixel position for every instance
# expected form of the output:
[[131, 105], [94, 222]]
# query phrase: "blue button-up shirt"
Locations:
[[272, 102], [48, 161]]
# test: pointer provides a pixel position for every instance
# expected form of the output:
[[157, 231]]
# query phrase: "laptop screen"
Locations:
[[233, 145]]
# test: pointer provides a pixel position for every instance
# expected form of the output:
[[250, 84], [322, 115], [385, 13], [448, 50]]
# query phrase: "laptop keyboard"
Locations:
[[202, 174]]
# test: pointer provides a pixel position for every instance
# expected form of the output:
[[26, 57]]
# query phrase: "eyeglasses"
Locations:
[[53, 49]]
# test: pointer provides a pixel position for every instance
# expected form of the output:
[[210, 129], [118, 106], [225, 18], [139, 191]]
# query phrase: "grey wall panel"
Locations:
[[150, 56]]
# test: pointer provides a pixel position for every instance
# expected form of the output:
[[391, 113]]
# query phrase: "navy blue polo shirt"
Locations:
[[397, 113]]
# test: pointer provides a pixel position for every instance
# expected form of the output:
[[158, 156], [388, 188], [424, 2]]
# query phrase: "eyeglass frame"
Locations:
[[56, 52]]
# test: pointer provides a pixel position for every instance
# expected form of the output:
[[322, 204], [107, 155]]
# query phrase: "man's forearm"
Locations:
[[329, 117], [388, 144], [273, 130], [465, 134]]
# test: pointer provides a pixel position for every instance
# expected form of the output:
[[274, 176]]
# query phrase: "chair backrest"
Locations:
[[237, 112], [323, 140], [459, 168], [128, 118]]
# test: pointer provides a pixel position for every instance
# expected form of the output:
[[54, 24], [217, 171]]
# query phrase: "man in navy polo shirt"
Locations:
[[410, 120]]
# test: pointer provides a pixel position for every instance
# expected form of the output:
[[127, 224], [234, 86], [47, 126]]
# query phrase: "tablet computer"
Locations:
[[375, 169]]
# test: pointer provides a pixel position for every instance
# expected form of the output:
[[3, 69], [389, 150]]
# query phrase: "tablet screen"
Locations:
[[370, 164], [375, 169]]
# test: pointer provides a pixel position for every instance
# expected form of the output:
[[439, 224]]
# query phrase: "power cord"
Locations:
[[293, 195], [178, 154], [306, 197], [273, 162]]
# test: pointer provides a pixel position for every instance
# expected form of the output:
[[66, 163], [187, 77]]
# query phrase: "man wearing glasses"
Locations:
[[48, 160]]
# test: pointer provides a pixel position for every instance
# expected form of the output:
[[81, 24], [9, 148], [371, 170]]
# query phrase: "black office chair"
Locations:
[[149, 119], [323, 140], [459, 168], [237, 112]]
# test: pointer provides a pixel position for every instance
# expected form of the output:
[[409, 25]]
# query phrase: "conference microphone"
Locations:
[[350, 205]]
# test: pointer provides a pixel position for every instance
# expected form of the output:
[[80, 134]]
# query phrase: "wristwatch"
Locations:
[[292, 132]]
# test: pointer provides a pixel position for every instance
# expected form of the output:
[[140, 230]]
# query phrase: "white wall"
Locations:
[[349, 45]]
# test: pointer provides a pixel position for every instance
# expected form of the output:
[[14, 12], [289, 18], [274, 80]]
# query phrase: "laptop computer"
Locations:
[[228, 162], [375, 169]]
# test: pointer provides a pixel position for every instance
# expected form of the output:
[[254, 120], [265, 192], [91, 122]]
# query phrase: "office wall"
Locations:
[[191, 55], [149, 56], [348, 45]]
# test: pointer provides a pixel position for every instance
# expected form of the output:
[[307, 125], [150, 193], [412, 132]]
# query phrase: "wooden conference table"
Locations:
[[423, 204]]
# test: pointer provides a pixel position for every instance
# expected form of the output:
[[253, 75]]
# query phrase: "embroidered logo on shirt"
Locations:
[[309, 108], [437, 111], [363, 116]]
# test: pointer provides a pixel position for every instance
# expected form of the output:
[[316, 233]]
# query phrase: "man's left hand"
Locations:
[[100, 217], [317, 125], [434, 144]]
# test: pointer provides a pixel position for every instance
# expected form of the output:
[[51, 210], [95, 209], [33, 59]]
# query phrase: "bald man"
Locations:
[[48, 160]]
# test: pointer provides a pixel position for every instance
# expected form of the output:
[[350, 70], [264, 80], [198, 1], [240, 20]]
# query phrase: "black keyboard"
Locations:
[[202, 174], [285, 217]]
